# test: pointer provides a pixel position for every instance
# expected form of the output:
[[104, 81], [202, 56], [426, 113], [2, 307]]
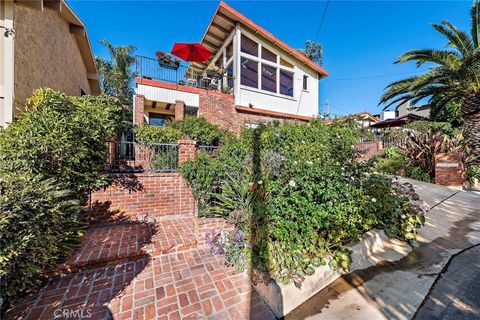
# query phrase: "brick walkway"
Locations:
[[170, 278]]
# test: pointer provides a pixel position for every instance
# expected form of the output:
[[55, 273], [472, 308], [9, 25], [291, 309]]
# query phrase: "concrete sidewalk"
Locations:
[[395, 290]]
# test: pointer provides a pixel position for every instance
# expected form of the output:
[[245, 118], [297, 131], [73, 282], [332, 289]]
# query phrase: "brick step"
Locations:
[[108, 244]]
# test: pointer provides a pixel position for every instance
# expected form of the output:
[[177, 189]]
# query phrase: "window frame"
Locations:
[[260, 61], [305, 82]]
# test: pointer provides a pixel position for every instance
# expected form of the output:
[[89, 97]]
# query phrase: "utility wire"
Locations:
[[374, 76], [321, 20]]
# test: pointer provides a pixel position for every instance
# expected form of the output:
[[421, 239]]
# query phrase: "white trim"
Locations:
[[244, 87], [7, 47]]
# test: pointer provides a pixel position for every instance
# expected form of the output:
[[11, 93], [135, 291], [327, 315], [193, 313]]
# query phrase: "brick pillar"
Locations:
[[138, 109], [449, 169], [179, 109], [186, 150]]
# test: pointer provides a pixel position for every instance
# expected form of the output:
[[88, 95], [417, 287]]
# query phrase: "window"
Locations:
[[268, 55], [286, 63], [286, 83], [230, 76], [158, 119], [305, 82], [191, 111], [249, 73], [249, 46], [269, 78]]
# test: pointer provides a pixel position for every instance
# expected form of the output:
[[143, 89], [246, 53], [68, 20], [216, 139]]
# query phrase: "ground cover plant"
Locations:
[[49, 158], [297, 196]]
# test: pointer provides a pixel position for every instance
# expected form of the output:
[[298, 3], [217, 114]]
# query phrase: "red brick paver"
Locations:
[[122, 242], [184, 285]]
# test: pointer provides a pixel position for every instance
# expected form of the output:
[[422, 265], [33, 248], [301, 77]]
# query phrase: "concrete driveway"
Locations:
[[396, 290]]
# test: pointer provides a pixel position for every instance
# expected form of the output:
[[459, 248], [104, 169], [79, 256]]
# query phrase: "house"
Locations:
[[404, 109], [264, 80], [42, 44], [364, 119], [398, 121]]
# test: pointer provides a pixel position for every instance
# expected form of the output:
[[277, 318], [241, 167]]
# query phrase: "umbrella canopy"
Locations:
[[194, 52]]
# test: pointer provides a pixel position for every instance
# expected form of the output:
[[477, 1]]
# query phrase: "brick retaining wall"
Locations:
[[143, 195], [449, 169], [368, 150]]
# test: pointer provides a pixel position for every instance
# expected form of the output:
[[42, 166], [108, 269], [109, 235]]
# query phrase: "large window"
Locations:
[[269, 78], [286, 83], [249, 46], [158, 119], [268, 55], [263, 69], [249, 73]]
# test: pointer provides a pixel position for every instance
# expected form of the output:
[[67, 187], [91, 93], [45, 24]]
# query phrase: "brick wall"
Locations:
[[138, 109], [368, 150], [449, 169], [146, 195], [143, 195], [219, 109], [179, 109]]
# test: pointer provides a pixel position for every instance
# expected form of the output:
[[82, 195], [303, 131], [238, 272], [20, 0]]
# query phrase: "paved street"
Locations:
[[456, 294]]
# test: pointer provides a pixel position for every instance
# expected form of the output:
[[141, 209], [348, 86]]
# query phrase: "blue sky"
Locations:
[[361, 39]]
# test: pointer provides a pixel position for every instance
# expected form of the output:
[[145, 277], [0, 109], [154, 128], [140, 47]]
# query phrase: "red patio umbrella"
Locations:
[[194, 52]]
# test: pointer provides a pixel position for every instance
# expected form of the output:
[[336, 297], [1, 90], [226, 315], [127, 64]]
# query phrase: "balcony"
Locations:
[[149, 68]]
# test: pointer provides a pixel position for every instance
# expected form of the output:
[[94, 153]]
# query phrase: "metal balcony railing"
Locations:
[[149, 68]]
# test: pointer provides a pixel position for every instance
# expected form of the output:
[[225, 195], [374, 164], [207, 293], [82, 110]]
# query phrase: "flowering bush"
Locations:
[[297, 195], [166, 58]]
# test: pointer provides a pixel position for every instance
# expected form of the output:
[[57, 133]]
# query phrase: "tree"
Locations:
[[116, 75], [313, 51], [453, 78]]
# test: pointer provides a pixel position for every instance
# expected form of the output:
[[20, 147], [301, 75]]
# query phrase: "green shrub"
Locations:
[[156, 134], [62, 137], [297, 196], [193, 128], [417, 173], [424, 126], [389, 161], [49, 158], [39, 225]]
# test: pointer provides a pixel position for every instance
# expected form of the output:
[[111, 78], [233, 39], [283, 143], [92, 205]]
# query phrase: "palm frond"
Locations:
[[440, 57], [457, 39], [475, 24]]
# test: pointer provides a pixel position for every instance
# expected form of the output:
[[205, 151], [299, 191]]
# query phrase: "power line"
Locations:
[[374, 76], [321, 20]]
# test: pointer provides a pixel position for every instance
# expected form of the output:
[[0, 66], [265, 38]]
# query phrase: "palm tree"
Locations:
[[454, 77], [116, 75]]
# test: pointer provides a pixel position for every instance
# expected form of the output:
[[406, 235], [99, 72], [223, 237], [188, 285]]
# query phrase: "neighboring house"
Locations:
[[397, 122], [49, 48], [404, 109], [364, 119], [265, 79]]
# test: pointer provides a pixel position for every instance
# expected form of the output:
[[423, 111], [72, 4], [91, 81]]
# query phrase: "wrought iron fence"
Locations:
[[149, 68], [212, 150], [128, 156], [386, 141], [393, 142]]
